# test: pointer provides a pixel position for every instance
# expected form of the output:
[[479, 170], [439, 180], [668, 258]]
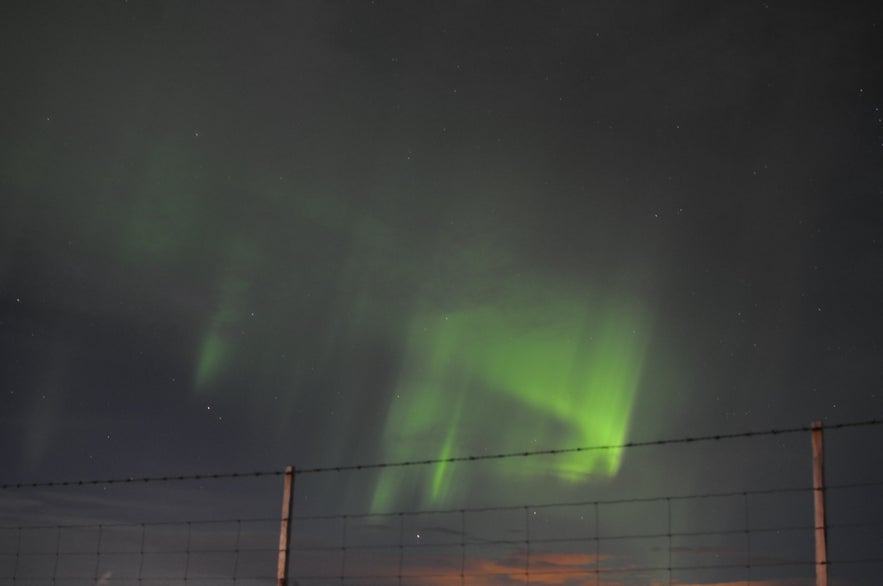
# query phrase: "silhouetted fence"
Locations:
[[758, 536]]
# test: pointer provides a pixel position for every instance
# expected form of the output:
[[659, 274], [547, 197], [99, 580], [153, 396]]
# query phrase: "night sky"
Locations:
[[240, 236]]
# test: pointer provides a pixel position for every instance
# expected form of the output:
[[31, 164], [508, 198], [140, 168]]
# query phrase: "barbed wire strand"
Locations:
[[450, 460]]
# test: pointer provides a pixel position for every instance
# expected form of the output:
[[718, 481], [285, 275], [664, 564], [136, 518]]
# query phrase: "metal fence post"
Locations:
[[818, 485], [285, 527]]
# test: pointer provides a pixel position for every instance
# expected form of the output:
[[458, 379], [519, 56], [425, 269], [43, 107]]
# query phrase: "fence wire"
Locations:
[[759, 537], [678, 539], [450, 460]]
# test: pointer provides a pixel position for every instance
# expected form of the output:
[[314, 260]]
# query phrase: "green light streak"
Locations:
[[441, 477], [218, 344], [211, 357]]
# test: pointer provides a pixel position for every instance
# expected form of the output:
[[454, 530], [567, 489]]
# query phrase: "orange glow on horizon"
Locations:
[[546, 569], [553, 569]]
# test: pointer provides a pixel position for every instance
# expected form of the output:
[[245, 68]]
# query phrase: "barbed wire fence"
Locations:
[[762, 537]]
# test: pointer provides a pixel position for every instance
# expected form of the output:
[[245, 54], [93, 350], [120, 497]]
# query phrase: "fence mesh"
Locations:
[[643, 536]]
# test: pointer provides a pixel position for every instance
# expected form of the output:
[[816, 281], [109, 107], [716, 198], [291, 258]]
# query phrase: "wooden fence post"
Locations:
[[818, 485], [285, 527]]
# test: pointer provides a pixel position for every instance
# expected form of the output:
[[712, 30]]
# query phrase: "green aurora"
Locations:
[[558, 372], [487, 355]]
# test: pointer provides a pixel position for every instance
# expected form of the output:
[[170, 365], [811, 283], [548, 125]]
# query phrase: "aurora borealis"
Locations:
[[564, 373], [330, 234]]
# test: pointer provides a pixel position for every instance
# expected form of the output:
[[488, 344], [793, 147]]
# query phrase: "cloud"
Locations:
[[553, 569]]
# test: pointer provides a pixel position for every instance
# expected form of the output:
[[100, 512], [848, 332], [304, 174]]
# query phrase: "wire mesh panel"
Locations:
[[680, 539], [140, 553]]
